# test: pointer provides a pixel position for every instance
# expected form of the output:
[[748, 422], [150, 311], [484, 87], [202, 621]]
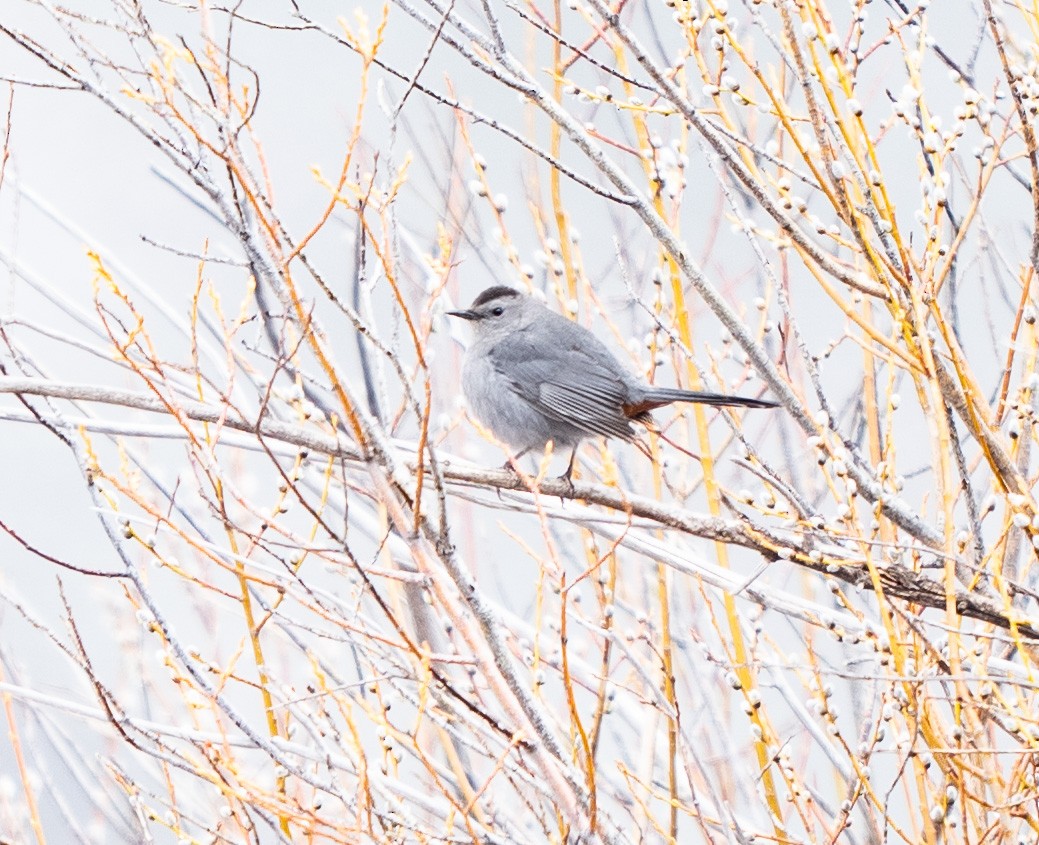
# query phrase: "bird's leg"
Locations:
[[570, 466], [510, 464], [565, 477]]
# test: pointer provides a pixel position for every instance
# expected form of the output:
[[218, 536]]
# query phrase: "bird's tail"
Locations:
[[657, 397]]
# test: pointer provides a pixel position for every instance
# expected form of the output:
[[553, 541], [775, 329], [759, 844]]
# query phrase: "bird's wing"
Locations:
[[566, 383]]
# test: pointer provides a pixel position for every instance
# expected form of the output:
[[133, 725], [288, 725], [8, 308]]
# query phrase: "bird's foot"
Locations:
[[510, 468], [568, 485], [566, 476]]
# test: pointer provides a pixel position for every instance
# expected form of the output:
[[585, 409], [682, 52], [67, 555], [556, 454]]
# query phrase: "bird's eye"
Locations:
[[497, 312]]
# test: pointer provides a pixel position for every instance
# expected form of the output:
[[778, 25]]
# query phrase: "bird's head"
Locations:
[[498, 310]]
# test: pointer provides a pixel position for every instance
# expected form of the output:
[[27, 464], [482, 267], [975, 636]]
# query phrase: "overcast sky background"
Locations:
[[79, 178]]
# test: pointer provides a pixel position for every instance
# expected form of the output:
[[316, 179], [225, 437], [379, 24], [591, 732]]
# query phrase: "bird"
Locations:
[[532, 376]]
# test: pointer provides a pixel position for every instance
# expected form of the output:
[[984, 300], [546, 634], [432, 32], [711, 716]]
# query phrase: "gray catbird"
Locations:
[[532, 376]]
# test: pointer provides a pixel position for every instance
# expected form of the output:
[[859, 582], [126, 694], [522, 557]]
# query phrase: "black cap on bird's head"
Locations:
[[495, 292], [488, 304]]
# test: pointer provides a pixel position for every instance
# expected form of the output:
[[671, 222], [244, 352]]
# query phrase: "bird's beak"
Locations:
[[465, 315]]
